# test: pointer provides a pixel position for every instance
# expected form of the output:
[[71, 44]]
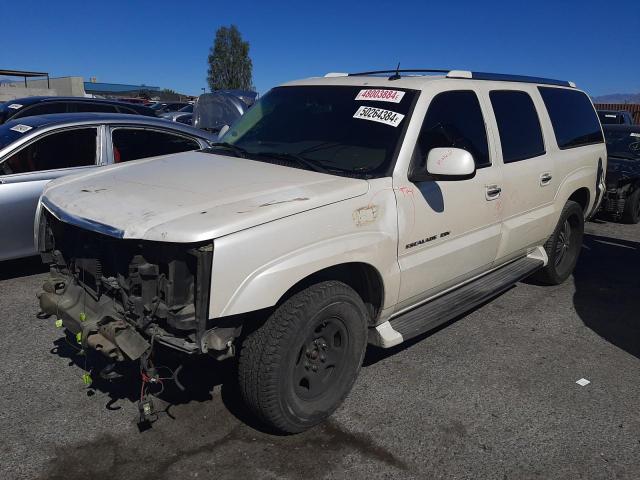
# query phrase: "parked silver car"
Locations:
[[34, 150], [212, 111], [184, 115]]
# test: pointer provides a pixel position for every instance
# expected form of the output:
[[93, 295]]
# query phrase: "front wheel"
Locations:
[[298, 367], [563, 247]]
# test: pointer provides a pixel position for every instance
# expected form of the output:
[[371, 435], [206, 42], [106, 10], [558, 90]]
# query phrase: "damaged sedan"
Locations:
[[622, 197]]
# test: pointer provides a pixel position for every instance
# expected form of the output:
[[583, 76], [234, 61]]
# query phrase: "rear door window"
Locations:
[[66, 149], [574, 120], [518, 125], [134, 143], [454, 119]]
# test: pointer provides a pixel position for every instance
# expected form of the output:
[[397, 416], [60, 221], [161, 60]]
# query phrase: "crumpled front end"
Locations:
[[620, 186], [120, 296]]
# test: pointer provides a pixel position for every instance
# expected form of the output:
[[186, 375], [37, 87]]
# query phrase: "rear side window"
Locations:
[[92, 107], [132, 144], [454, 119], [70, 148], [44, 108], [518, 125], [128, 110], [574, 120]]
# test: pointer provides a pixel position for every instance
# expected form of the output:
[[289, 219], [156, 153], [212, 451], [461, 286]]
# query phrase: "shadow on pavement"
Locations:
[[607, 297], [21, 267]]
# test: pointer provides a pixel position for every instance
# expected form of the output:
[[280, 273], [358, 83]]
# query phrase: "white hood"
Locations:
[[191, 197]]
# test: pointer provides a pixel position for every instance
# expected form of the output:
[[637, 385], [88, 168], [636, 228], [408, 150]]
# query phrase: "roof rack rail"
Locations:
[[378, 72], [502, 77]]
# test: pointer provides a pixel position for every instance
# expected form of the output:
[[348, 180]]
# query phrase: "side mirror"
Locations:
[[446, 164], [223, 130]]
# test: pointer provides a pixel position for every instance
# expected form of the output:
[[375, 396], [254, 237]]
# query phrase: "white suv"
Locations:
[[338, 210]]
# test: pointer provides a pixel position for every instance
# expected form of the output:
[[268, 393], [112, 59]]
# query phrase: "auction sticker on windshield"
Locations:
[[379, 115], [380, 95], [21, 128]]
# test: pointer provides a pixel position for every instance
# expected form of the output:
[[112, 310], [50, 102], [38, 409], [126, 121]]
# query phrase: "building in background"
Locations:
[[41, 84], [120, 90]]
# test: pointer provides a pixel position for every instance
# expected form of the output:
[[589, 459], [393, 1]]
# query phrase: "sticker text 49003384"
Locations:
[[380, 95], [379, 115]]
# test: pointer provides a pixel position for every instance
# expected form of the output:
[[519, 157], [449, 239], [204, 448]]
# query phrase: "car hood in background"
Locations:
[[191, 197], [621, 169]]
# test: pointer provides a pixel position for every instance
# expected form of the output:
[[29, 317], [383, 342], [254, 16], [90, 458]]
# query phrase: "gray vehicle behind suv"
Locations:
[[35, 150]]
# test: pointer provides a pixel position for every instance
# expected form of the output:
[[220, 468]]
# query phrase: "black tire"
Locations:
[[563, 247], [631, 212], [298, 367]]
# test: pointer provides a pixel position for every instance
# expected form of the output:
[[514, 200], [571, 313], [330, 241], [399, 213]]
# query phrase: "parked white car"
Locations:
[[337, 211]]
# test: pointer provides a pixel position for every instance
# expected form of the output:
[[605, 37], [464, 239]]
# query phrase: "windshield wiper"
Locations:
[[320, 146], [300, 160], [239, 151]]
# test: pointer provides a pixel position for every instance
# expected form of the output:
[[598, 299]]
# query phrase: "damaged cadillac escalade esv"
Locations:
[[337, 211]]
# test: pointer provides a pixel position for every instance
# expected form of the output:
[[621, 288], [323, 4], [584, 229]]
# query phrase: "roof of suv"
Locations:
[[419, 80]]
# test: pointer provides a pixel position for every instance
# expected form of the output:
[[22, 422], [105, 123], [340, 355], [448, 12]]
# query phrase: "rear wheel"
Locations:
[[563, 247], [297, 368], [631, 212]]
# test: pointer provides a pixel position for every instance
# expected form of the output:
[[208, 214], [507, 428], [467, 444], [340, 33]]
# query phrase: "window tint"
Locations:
[[574, 121], [454, 119], [518, 125], [131, 144], [92, 107], [42, 109], [324, 124], [71, 148], [128, 110]]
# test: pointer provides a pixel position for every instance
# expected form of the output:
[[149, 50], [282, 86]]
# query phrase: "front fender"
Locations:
[[254, 268]]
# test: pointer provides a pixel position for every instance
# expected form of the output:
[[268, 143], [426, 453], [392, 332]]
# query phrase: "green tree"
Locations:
[[229, 64]]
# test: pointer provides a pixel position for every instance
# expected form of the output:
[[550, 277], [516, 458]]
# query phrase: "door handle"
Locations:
[[545, 178], [492, 192]]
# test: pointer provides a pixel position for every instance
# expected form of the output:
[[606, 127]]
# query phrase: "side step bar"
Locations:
[[452, 304]]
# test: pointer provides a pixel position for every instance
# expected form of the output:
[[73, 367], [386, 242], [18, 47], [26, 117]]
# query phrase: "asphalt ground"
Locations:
[[491, 395]]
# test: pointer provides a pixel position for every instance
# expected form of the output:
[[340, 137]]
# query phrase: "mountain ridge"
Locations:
[[618, 98]]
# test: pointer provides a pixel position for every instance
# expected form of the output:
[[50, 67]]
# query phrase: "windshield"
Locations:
[[623, 143], [609, 118], [8, 136], [344, 130], [187, 108]]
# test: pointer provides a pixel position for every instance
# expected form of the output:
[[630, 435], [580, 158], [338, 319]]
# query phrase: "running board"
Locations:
[[452, 304]]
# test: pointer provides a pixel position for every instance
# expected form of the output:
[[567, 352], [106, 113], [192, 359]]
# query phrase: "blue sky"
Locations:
[[165, 43]]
